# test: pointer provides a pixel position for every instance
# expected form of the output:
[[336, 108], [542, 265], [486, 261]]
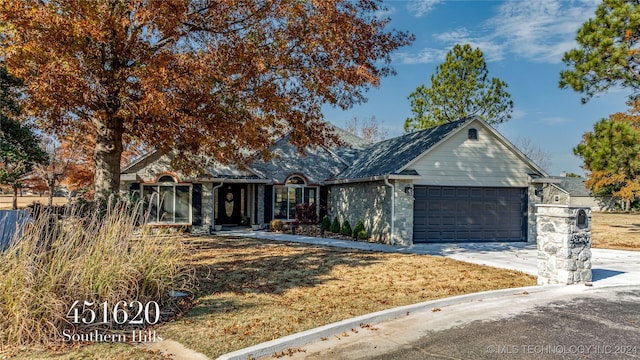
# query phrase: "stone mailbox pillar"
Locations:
[[564, 244]]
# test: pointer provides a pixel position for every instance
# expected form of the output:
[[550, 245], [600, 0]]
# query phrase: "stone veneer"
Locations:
[[564, 248], [371, 203]]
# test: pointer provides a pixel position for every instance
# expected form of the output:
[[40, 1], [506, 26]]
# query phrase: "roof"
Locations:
[[390, 156], [354, 160], [316, 164], [573, 186]]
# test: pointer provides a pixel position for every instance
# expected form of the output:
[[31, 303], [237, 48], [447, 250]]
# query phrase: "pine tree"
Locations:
[[460, 88]]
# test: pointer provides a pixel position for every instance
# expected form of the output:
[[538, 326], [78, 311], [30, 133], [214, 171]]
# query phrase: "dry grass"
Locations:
[[615, 231], [255, 291], [83, 258], [24, 201]]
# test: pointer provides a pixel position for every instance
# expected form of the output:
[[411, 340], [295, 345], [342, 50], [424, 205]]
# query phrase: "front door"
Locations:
[[230, 198]]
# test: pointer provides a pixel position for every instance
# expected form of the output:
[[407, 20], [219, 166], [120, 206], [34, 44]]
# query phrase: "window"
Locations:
[[473, 134], [556, 198], [167, 202], [293, 193]]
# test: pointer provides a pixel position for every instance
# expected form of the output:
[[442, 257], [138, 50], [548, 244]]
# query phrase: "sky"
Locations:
[[523, 42]]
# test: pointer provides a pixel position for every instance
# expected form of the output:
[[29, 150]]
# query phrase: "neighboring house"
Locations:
[[564, 190], [462, 181]]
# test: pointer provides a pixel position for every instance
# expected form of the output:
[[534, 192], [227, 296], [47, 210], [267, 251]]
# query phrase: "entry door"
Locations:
[[230, 204]]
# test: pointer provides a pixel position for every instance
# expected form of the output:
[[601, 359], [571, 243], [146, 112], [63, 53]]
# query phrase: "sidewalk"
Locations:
[[405, 327]]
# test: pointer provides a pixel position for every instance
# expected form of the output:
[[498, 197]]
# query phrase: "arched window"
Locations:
[[290, 196], [295, 180], [473, 134], [166, 179]]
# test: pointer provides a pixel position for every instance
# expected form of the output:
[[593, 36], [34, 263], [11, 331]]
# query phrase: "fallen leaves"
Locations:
[[310, 286], [288, 352]]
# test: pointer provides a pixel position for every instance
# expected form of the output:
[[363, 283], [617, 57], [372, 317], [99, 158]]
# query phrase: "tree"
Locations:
[[225, 76], [370, 129], [608, 53], [61, 161], [539, 156], [19, 149], [612, 155], [460, 88]]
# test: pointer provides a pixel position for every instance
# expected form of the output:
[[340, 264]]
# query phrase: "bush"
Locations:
[[346, 229], [358, 229], [326, 223], [306, 213], [363, 235], [335, 226], [277, 225], [96, 258]]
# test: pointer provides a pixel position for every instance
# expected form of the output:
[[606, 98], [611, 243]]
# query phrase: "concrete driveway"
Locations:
[[600, 321]]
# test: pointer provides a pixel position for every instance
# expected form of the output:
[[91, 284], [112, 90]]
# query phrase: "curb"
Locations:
[[308, 336]]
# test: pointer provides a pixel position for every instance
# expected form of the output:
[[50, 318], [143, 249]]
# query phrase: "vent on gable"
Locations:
[[472, 134]]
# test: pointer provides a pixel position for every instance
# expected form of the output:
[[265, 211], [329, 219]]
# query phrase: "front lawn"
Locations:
[[253, 291], [615, 230]]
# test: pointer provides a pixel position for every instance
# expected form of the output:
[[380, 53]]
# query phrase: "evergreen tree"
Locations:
[[608, 53], [19, 146], [612, 155], [460, 88]]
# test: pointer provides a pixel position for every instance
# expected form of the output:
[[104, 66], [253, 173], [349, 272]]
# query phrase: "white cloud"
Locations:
[[518, 113], [385, 13], [554, 120], [540, 31], [422, 7], [425, 56], [453, 35]]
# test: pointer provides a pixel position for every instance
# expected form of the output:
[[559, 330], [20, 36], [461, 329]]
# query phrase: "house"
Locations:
[[462, 181], [565, 190]]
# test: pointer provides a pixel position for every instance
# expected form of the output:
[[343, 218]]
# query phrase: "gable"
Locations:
[[316, 164], [488, 160]]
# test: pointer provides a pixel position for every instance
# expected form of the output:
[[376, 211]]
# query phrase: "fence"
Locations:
[[10, 222]]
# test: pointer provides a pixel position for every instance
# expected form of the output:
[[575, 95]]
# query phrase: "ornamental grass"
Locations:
[[94, 256]]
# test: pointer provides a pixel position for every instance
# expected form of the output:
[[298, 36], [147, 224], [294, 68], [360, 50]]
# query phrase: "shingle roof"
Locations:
[[389, 156], [357, 159], [229, 172], [317, 164], [574, 186]]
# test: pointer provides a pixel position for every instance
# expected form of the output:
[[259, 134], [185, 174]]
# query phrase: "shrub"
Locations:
[[363, 235], [277, 225], [358, 228], [96, 258], [306, 213], [326, 223], [346, 229], [335, 226]]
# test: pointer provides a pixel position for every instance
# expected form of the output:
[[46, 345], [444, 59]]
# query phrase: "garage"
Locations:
[[467, 214]]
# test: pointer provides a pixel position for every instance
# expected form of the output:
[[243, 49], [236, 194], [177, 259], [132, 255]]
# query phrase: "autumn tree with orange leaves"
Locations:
[[221, 77], [611, 154]]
